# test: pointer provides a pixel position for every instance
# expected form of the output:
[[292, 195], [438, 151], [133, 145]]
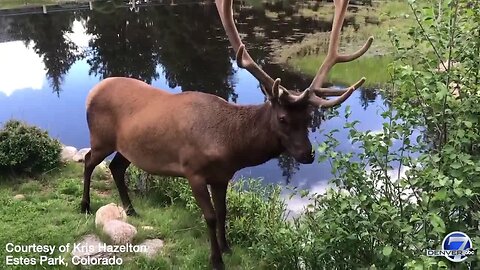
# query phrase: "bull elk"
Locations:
[[202, 137]]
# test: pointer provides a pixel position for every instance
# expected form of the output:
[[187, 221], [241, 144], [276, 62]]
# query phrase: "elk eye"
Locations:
[[282, 120]]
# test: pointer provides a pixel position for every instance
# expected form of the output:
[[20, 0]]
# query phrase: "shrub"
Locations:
[[27, 149]]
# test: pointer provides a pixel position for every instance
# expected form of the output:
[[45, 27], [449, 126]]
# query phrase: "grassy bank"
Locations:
[[50, 215], [374, 68], [4, 4]]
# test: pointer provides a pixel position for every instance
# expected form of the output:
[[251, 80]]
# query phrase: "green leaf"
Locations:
[[456, 165], [458, 191], [440, 195], [442, 264], [387, 250], [468, 124], [437, 223]]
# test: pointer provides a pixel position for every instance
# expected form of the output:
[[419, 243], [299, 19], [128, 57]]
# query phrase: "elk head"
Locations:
[[291, 110]]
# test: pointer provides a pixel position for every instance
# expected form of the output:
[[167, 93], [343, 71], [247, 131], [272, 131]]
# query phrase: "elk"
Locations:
[[202, 137]]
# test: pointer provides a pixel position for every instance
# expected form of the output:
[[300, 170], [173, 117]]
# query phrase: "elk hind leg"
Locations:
[[118, 166], [92, 159]]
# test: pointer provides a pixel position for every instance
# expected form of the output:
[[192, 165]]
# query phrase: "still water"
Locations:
[[48, 64]]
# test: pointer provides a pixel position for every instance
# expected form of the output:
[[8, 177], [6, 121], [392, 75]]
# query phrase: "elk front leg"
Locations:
[[219, 194], [202, 196]]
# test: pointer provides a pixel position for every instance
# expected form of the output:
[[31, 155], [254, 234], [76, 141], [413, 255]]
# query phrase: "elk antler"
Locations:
[[244, 60], [332, 58], [272, 88]]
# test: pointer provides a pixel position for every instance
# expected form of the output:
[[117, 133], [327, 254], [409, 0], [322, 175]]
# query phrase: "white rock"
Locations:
[[89, 246], [80, 155], [109, 212], [120, 232], [153, 246], [103, 166], [68, 152], [442, 67], [19, 197]]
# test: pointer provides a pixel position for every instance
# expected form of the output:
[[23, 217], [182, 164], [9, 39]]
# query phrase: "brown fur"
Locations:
[[144, 124]]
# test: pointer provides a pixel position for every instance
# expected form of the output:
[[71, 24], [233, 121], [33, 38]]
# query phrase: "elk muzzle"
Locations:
[[302, 152], [307, 157]]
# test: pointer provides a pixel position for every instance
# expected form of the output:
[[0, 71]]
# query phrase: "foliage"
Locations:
[[27, 149]]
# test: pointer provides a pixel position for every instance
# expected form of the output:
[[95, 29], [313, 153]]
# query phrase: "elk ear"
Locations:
[[276, 90], [274, 93]]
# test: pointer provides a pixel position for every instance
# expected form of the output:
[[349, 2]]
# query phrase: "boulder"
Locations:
[[19, 197], [153, 246], [68, 152], [119, 232], [89, 246], [80, 155], [109, 212]]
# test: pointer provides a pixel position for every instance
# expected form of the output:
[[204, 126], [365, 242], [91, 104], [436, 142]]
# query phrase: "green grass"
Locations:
[[4, 4], [50, 215]]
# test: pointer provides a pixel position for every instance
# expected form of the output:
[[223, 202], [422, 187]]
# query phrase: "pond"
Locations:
[[48, 64]]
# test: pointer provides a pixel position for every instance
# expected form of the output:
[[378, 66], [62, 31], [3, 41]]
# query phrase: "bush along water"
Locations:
[[27, 149], [408, 186]]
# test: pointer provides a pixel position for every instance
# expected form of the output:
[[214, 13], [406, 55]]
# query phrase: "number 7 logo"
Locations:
[[457, 241]]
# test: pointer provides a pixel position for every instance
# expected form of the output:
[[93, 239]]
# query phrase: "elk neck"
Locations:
[[255, 141]]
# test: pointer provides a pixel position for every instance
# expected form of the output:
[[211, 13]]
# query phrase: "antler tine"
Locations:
[[333, 57], [244, 60]]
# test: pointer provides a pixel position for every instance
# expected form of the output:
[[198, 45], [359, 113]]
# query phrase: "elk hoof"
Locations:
[[132, 213], [217, 263], [85, 208], [226, 249]]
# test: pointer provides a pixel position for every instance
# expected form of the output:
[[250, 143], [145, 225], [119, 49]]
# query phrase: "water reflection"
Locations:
[[179, 48], [47, 35]]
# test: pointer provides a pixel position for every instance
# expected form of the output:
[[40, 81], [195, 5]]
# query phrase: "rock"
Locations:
[[103, 166], [455, 88], [68, 152], [109, 212], [153, 246], [89, 246], [442, 67], [19, 197], [120, 232], [80, 155], [101, 171]]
